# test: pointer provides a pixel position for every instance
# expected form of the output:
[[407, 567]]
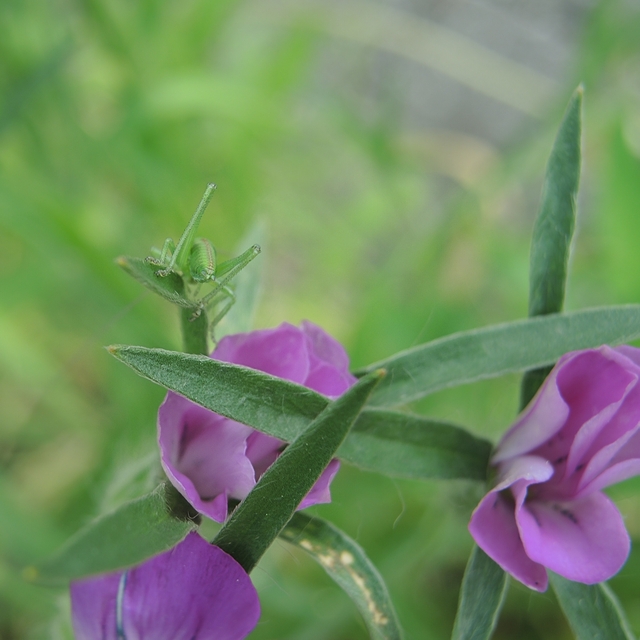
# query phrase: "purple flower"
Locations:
[[195, 591], [578, 435], [210, 458]]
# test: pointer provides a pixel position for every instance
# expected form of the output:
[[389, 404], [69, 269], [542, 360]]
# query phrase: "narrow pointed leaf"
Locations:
[[132, 533], [593, 611], [260, 517], [553, 230], [347, 564], [243, 394], [393, 443], [170, 287], [506, 348], [484, 587], [555, 223]]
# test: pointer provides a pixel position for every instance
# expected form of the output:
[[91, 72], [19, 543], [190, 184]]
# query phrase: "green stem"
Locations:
[[194, 331]]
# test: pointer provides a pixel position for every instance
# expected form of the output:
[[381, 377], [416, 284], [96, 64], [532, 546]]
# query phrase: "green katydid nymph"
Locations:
[[194, 260]]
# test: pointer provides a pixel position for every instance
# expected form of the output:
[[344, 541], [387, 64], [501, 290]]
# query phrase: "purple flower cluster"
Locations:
[[580, 434], [210, 458], [196, 591]]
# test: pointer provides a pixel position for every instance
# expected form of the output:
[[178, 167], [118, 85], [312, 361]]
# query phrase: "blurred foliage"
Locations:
[[113, 117]]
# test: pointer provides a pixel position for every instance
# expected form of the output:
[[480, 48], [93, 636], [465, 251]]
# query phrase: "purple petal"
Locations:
[[263, 451], [320, 493], [195, 591], [325, 347], [203, 454], [613, 463], [325, 379], [93, 607], [493, 527], [631, 353], [493, 523], [583, 540], [281, 352], [542, 419]]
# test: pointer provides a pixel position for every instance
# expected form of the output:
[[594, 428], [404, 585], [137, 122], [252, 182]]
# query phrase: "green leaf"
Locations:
[[170, 287], [397, 444], [409, 446], [243, 394], [260, 517], [553, 230], [506, 348], [347, 565], [593, 611], [132, 533], [555, 223], [481, 596]]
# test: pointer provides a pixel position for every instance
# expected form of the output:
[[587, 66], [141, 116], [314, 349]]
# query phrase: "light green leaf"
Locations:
[[347, 565], [132, 533], [505, 348], [260, 517], [553, 230], [481, 596], [170, 287], [409, 446], [593, 611], [397, 444]]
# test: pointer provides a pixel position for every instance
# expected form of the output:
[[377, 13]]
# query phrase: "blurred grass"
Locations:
[[113, 117]]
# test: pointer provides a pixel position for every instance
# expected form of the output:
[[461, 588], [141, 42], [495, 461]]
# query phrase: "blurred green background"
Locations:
[[395, 152]]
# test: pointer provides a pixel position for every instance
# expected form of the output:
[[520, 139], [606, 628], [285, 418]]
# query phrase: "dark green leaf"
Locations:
[[392, 443], [348, 565], [484, 353], [260, 517], [405, 445], [170, 287], [593, 611], [246, 395], [481, 596], [132, 533], [553, 230]]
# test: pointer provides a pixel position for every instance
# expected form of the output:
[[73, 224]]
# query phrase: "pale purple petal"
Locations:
[[282, 352], [583, 540], [320, 493], [493, 527], [262, 451], [203, 454], [631, 353], [493, 524], [93, 607], [588, 435], [195, 591], [541, 420], [531, 469], [587, 394], [325, 347], [617, 473]]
